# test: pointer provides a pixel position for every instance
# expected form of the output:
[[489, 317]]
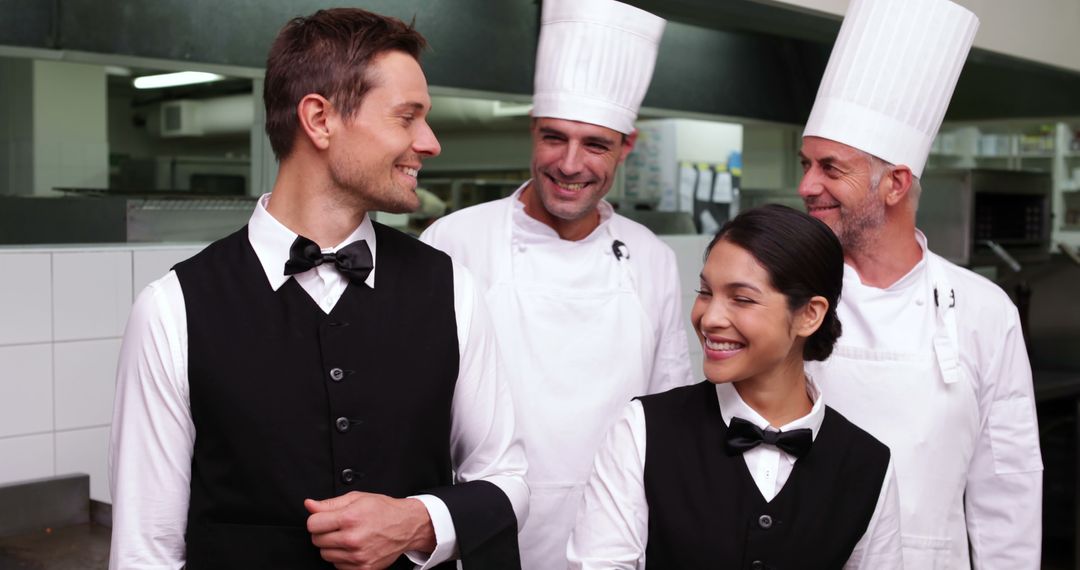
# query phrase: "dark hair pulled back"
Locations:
[[802, 257]]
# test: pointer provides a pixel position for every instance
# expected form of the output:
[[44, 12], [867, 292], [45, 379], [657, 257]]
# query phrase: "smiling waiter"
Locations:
[[932, 361], [271, 408], [586, 303]]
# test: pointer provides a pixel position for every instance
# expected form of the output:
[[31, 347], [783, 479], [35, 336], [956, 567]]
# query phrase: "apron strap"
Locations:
[[946, 335]]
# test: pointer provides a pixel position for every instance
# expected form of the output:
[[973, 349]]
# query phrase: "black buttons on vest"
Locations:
[[342, 424], [348, 476], [337, 374], [765, 522]]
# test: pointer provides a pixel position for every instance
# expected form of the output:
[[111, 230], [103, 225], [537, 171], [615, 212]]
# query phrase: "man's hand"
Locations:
[[361, 531]]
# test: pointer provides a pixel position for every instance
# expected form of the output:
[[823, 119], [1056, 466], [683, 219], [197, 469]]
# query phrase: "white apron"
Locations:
[[575, 358], [923, 408]]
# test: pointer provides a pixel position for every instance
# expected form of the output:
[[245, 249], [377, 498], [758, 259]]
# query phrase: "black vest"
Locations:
[[291, 403], [705, 510]]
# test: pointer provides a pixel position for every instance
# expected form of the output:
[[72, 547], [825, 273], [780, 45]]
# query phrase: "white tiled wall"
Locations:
[[91, 294], [85, 377], [26, 298], [61, 321], [86, 451], [26, 457], [26, 390]]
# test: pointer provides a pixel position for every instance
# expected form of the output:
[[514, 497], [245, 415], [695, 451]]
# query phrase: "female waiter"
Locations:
[[748, 469]]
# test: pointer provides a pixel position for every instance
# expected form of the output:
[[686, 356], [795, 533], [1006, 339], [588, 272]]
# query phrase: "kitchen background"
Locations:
[[103, 186]]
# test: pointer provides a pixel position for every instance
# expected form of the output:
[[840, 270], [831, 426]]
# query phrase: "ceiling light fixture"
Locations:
[[175, 79]]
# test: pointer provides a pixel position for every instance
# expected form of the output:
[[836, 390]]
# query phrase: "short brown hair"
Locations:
[[327, 53]]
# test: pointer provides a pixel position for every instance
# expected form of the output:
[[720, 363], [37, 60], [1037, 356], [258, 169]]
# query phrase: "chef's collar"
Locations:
[[271, 241], [732, 405], [533, 230], [910, 279]]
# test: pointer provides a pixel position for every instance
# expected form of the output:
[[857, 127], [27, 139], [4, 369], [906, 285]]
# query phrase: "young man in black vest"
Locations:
[[275, 407]]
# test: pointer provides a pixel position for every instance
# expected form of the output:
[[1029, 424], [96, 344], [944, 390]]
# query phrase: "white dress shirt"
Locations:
[[612, 530], [153, 433]]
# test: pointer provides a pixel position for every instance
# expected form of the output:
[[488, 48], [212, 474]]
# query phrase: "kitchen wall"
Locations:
[[64, 311]]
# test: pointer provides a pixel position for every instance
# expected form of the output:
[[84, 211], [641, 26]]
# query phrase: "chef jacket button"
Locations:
[[336, 374], [342, 424], [347, 476], [919, 302], [765, 522], [757, 565]]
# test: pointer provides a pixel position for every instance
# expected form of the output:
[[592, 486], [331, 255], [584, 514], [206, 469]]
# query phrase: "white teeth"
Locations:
[[409, 171], [726, 346], [574, 187]]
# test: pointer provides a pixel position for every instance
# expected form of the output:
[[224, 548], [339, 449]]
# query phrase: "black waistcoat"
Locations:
[[706, 512], [291, 403]]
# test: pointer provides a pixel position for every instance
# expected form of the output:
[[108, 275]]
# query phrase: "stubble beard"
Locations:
[[862, 225], [357, 191]]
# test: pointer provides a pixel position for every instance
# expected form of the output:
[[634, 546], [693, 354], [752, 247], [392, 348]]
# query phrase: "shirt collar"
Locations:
[[732, 405], [539, 231], [271, 241]]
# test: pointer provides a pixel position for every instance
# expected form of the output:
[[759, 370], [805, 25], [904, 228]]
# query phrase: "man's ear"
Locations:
[[899, 184], [628, 144], [808, 319], [315, 115]]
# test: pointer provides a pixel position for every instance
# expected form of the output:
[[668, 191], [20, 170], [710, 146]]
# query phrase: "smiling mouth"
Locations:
[[723, 346], [409, 171], [814, 209], [568, 186]]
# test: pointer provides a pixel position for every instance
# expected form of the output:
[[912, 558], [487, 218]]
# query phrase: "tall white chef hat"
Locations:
[[594, 61], [891, 75]]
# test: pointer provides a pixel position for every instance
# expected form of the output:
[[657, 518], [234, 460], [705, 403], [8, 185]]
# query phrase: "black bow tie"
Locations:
[[353, 261], [744, 436]]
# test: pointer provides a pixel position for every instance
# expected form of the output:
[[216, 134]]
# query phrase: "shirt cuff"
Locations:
[[445, 536]]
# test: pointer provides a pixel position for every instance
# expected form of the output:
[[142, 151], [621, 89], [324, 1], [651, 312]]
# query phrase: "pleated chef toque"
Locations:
[[594, 61], [891, 75]]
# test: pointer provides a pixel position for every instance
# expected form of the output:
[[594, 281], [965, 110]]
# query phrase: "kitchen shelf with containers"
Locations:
[[1021, 145]]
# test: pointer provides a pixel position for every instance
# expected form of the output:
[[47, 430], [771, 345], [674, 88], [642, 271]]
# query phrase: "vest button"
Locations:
[[765, 522], [347, 476], [336, 374], [757, 565], [342, 424]]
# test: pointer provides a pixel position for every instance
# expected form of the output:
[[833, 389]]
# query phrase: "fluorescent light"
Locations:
[[175, 79], [117, 70]]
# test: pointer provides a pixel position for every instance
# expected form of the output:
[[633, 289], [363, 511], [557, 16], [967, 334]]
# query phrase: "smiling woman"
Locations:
[[776, 460]]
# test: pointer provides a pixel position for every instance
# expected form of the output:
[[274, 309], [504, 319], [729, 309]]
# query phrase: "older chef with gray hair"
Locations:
[[932, 360], [586, 303]]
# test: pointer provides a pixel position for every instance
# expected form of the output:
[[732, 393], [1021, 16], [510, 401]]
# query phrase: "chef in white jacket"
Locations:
[[586, 303], [932, 361]]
